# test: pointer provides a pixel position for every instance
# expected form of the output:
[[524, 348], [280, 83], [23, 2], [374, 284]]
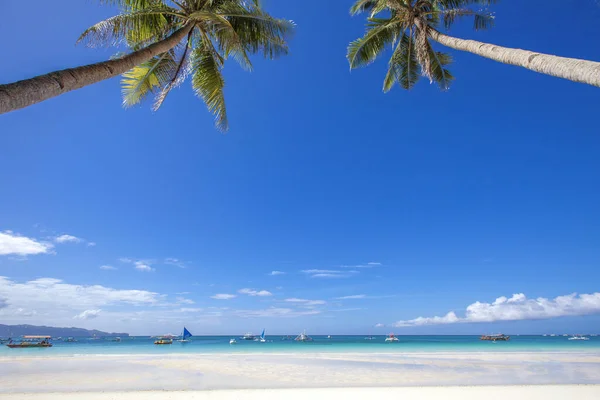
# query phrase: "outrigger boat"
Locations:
[[391, 338], [494, 338], [185, 336], [164, 340], [31, 342], [303, 337]]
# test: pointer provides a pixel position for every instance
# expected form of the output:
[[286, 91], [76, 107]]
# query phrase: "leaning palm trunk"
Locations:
[[31, 91], [568, 68]]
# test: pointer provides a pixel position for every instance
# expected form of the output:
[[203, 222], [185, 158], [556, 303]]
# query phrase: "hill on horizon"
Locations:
[[20, 330]]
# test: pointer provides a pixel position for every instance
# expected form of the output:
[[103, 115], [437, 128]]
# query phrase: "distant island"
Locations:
[[20, 330]]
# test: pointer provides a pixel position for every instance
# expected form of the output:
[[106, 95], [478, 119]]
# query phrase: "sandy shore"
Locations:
[[209, 372], [581, 392]]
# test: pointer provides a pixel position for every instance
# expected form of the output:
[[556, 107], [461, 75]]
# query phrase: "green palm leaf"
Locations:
[[208, 83]]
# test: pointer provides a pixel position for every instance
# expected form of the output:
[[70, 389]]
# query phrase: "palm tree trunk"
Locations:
[[568, 68], [31, 91]]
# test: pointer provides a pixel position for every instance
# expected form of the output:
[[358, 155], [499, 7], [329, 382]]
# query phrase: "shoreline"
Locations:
[[522, 392]]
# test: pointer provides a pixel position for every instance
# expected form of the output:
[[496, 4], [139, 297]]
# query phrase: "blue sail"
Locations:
[[262, 335], [186, 333]]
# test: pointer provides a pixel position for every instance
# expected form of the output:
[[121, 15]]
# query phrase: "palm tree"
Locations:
[[169, 40], [409, 25]]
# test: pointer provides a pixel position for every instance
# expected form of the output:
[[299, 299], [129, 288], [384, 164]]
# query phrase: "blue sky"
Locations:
[[488, 190]]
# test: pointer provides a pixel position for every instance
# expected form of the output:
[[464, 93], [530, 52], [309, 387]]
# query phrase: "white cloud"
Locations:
[[274, 273], [91, 244], [367, 265], [379, 325], [140, 265], [183, 300], [12, 243], [306, 302], [190, 310], [223, 296], [175, 262], [3, 303], [67, 239], [517, 308], [352, 297], [108, 268], [252, 292], [274, 312], [328, 273], [88, 314]]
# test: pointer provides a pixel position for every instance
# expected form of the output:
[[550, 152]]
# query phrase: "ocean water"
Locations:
[[321, 344]]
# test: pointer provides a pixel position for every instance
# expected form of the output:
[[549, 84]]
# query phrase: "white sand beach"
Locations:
[[208, 372], [580, 392]]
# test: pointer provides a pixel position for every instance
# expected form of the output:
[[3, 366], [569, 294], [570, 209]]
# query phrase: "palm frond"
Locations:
[[134, 26], [145, 78], [208, 83], [364, 51], [403, 67]]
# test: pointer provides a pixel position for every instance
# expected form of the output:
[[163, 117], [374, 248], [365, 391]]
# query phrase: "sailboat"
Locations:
[[185, 335], [261, 338]]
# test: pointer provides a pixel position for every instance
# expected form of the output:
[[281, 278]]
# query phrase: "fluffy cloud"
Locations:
[[252, 292], [12, 243], [274, 273], [140, 265], [3, 303], [67, 239], [379, 325], [306, 302], [107, 268], [223, 296], [518, 307], [88, 314], [352, 297], [328, 273], [183, 300]]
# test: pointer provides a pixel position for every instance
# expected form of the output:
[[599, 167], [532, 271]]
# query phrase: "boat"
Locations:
[[248, 336], [232, 341], [391, 338], [565, 335], [31, 342], [261, 338], [552, 335], [303, 337], [288, 337], [545, 334], [578, 337], [164, 340], [370, 338], [494, 338], [328, 336], [117, 339], [69, 339], [185, 336]]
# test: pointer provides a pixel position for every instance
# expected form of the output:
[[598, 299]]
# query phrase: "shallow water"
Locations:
[[321, 344]]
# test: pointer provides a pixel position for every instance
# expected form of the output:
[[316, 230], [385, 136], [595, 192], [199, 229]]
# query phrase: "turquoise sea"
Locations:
[[321, 344]]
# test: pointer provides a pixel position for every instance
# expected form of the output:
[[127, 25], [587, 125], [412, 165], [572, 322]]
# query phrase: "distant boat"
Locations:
[[552, 335], [185, 335], [578, 337], [370, 338], [69, 339], [391, 338], [545, 334], [288, 337], [261, 338], [303, 337], [30, 342], [248, 336], [167, 339], [328, 336], [117, 339], [232, 341], [495, 338], [565, 335]]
